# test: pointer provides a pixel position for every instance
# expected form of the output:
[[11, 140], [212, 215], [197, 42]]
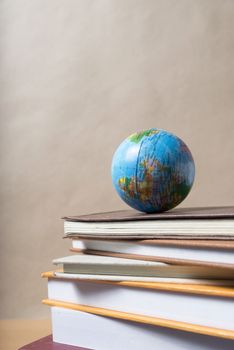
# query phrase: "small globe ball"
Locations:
[[153, 170]]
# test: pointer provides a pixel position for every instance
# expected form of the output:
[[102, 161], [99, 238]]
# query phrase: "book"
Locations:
[[92, 264], [47, 343], [181, 252], [117, 291], [105, 333], [206, 306], [196, 223], [119, 278]]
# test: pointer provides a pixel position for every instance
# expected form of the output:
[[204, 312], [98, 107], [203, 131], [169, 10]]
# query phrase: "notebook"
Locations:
[[207, 306], [104, 333], [103, 265], [181, 252], [180, 223], [119, 278]]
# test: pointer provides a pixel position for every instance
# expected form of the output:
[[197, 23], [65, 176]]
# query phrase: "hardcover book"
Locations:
[[143, 279], [181, 252], [180, 223], [209, 306], [103, 333], [106, 333], [47, 343], [103, 265]]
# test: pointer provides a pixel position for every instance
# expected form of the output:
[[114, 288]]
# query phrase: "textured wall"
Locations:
[[79, 76]]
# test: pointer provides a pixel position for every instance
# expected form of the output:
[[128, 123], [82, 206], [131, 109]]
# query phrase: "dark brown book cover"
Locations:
[[177, 213], [47, 343]]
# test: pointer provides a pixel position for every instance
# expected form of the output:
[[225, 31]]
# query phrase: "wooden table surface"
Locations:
[[16, 333]]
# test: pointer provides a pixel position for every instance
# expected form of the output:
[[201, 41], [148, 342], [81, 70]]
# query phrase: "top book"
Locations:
[[194, 223]]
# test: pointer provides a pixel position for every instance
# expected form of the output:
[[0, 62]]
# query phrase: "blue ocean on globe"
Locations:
[[153, 170]]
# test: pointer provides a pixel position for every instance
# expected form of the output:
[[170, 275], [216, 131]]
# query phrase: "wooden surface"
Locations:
[[16, 333]]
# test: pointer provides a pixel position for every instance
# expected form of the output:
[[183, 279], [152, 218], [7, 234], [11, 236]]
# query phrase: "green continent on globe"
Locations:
[[138, 136]]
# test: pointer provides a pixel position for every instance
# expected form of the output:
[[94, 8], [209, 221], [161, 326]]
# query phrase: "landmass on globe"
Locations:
[[153, 170]]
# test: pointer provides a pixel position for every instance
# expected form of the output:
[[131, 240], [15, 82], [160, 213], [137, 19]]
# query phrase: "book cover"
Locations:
[[180, 252], [106, 333], [47, 343], [177, 213], [133, 279], [188, 286], [182, 223], [154, 321], [105, 265], [210, 306]]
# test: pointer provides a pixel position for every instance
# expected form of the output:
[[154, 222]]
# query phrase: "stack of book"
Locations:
[[148, 281]]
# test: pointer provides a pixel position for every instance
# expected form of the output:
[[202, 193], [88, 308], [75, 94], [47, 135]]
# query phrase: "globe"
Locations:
[[153, 170]]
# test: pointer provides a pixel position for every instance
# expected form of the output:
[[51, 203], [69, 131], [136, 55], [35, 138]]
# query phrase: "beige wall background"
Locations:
[[79, 76]]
